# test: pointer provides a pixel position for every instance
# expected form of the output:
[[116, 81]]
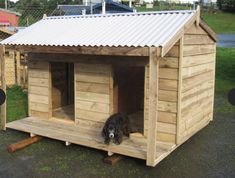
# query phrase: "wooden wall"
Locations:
[[167, 106], [197, 91], [93, 84], [39, 89], [10, 68]]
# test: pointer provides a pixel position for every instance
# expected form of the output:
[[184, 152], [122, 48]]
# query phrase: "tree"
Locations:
[[226, 5]]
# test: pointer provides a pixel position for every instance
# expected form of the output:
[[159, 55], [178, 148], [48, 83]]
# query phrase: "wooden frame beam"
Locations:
[[154, 59], [3, 86], [181, 46], [118, 51]]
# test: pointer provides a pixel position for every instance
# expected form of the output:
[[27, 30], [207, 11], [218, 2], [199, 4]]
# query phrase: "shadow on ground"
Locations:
[[210, 154]]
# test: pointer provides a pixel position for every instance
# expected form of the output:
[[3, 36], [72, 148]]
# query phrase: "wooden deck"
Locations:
[[65, 112], [69, 132]]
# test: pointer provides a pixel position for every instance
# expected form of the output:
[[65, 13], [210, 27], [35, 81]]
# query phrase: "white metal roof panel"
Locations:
[[149, 29]]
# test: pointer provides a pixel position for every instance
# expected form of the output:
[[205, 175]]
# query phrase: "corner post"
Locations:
[[3, 86], [179, 91], [154, 54], [198, 16]]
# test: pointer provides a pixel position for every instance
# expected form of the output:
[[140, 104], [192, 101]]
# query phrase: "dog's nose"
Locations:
[[111, 135]]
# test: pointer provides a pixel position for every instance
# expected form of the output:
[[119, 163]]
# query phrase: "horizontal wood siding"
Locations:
[[38, 91], [92, 102], [167, 104], [10, 68], [197, 82]]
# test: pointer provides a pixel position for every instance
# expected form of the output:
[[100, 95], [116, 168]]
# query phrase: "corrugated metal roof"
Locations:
[[149, 29]]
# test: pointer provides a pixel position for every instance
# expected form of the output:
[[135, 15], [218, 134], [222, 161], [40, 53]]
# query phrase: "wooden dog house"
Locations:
[[159, 67]]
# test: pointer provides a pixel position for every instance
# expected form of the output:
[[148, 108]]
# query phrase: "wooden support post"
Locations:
[[179, 91], [22, 144], [112, 160], [18, 76], [3, 86], [67, 143], [154, 54], [198, 16]]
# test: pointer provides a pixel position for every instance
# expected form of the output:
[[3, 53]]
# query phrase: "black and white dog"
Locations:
[[115, 127]]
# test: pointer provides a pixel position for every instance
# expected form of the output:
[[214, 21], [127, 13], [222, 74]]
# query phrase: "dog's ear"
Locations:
[[104, 131]]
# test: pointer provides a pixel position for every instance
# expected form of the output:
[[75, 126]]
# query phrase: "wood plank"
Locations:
[[173, 52], [22, 144], [195, 30], [167, 106], [95, 97], [39, 73], [192, 82], [39, 90], [91, 115], [153, 104], [166, 84], [112, 160], [38, 82], [93, 68], [92, 87], [179, 96], [165, 95], [198, 60], [37, 64], [196, 70], [197, 40], [39, 114], [92, 106], [205, 86], [191, 50], [168, 62], [3, 86], [39, 99], [165, 137], [119, 51], [168, 73], [93, 78], [166, 117], [39, 107]]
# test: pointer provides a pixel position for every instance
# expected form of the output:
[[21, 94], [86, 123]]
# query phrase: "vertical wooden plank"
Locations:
[[213, 96], [145, 98], [29, 90], [75, 88], [179, 91], [18, 67], [3, 86], [111, 92], [153, 101], [24, 70], [49, 91]]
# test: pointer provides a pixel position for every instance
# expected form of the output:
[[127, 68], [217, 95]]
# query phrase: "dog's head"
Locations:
[[111, 131]]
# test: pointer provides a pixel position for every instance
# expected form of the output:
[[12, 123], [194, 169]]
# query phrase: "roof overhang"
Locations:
[[116, 51]]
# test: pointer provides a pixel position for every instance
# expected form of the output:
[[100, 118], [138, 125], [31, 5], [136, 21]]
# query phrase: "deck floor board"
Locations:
[[70, 132]]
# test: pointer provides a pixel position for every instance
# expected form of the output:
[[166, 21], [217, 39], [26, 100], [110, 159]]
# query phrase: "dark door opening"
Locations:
[[62, 78], [129, 94]]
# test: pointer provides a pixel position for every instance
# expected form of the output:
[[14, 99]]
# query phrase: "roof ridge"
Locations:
[[121, 14]]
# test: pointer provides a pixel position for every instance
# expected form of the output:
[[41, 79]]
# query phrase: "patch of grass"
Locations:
[[45, 169], [17, 106], [225, 70], [225, 78], [221, 23]]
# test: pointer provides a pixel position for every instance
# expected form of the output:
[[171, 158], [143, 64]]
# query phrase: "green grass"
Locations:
[[221, 23], [16, 103], [225, 70]]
